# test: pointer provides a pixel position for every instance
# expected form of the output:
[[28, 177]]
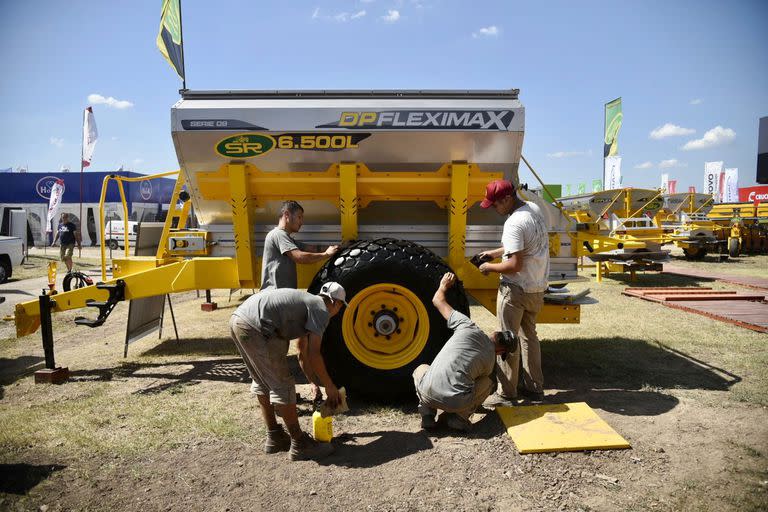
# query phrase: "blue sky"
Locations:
[[698, 67]]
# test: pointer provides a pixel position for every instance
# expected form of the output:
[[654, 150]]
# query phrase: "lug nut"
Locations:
[[402, 319], [399, 331], [375, 335], [370, 324], [388, 336]]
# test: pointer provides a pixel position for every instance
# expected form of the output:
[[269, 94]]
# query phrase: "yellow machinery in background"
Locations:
[[395, 175], [683, 219], [742, 226], [619, 229]]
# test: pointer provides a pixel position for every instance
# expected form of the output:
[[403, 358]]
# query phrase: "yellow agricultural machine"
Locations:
[[618, 228], [396, 175], [742, 226], [683, 218]]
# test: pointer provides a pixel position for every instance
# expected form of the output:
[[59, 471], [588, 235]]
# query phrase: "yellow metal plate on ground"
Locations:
[[558, 428]]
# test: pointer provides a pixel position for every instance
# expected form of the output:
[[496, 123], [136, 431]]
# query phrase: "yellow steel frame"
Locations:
[[348, 185]]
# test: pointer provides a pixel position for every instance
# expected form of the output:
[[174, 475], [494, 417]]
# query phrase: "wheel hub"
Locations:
[[385, 326]]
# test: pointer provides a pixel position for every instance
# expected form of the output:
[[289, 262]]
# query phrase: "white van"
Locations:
[[114, 233]]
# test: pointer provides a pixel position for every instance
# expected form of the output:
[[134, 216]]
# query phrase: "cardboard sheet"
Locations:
[[558, 428]]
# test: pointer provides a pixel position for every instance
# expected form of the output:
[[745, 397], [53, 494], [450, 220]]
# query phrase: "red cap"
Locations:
[[495, 190]]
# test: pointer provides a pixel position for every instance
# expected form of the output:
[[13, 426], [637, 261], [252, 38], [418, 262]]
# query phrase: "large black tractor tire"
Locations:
[[733, 247], [695, 252], [6, 270], [377, 275]]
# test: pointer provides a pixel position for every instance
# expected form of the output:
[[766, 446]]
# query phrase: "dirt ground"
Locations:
[[173, 427]]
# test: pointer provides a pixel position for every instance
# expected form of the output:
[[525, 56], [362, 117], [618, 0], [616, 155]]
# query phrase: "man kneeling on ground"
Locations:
[[262, 328], [461, 376]]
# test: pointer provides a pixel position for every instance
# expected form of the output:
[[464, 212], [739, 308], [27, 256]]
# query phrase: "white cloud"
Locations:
[[491, 31], [695, 101], [644, 165], [569, 154], [341, 17], [57, 141], [98, 99], [392, 16], [670, 130], [714, 137], [671, 163]]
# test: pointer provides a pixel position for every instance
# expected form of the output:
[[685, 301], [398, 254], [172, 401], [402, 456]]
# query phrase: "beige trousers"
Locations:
[[516, 311]]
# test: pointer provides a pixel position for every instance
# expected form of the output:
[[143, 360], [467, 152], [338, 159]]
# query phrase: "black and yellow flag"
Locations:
[[169, 38]]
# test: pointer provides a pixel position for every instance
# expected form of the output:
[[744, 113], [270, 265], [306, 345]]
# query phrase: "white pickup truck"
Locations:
[[11, 255]]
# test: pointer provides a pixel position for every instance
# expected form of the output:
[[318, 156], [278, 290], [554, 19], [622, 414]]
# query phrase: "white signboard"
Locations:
[[57, 190], [612, 172], [712, 174], [730, 190]]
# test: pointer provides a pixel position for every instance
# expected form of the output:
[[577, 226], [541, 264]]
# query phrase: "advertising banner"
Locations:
[[612, 173], [672, 187], [597, 185], [754, 194], [582, 188], [712, 173], [665, 183], [613, 118], [57, 191], [730, 189], [90, 135]]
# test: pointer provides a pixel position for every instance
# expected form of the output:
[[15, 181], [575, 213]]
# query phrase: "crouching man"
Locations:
[[262, 328], [461, 376]]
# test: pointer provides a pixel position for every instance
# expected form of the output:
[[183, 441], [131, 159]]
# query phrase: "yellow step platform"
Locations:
[[559, 428]]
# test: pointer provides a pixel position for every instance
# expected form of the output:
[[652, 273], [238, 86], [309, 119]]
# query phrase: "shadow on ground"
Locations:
[[20, 478], [624, 375], [13, 369], [385, 447]]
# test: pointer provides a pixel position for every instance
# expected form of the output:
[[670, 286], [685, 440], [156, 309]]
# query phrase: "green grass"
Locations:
[[36, 265]]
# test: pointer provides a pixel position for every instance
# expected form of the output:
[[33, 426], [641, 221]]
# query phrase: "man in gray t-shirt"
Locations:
[[460, 377], [282, 252], [262, 328]]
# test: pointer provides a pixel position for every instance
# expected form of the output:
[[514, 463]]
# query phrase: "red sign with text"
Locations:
[[752, 194]]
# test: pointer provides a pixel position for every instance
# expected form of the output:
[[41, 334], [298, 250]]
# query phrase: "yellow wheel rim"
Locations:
[[385, 326]]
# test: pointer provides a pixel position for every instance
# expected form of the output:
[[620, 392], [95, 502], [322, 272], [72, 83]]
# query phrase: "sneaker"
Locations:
[[254, 386], [497, 400], [532, 396], [307, 448], [456, 422], [277, 441]]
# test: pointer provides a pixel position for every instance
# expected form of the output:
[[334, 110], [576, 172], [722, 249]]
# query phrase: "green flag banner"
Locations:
[[169, 37], [567, 190], [613, 118], [582, 188], [597, 185]]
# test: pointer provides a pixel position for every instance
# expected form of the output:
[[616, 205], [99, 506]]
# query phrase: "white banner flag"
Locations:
[[90, 134], [712, 173], [57, 190], [730, 190], [665, 183], [612, 173]]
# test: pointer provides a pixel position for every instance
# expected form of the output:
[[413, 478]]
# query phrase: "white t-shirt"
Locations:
[[525, 231]]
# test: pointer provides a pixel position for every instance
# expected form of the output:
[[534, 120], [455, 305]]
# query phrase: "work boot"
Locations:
[[427, 417], [307, 448], [456, 422], [278, 440], [254, 387]]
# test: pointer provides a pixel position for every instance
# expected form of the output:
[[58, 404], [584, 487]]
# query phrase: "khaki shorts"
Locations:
[[66, 251], [266, 360]]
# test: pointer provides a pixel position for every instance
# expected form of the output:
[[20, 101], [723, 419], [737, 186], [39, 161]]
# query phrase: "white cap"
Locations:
[[334, 291]]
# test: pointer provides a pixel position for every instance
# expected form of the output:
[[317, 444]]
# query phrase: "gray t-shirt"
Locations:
[[278, 270], [468, 355], [285, 313]]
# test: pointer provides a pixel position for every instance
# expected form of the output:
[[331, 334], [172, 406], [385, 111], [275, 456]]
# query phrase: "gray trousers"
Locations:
[[428, 405], [516, 311]]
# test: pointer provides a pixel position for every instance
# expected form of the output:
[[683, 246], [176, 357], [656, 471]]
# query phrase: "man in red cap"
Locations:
[[524, 269]]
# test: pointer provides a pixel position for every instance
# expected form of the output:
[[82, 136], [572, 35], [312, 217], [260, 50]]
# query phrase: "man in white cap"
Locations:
[[262, 328]]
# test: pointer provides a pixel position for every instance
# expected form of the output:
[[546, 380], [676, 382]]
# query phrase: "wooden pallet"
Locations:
[[748, 310]]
